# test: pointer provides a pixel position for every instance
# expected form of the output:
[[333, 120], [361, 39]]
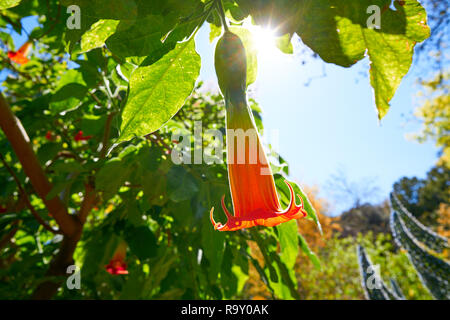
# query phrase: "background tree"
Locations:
[[352, 193], [423, 197]]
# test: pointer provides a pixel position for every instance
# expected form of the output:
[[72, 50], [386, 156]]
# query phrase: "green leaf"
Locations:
[[142, 242], [311, 255], [181, 185], [93, 125], [97, 251], [338, 32], [112, 176], [105, 9], [159, 90], [96, 36], [215, 32], [285, 197], [287, 234], [156, 29], [5, 4], [69, 92], [284, 44], [154, 186], [213, 244]]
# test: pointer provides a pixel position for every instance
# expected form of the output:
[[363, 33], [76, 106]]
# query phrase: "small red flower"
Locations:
[[49, 135], [79, 136], [117, 264], [3, 209], [20, 56]]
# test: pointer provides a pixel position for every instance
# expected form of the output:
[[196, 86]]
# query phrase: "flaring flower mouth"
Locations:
[[261, 217], [116, 267], [117, 264]]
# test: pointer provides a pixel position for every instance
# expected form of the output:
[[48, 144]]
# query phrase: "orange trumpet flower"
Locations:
[[20, 56], [253, 192], [117, 264]]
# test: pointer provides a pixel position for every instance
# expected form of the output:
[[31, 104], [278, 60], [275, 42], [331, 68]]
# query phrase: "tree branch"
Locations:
[[20, 142], [90, 199]]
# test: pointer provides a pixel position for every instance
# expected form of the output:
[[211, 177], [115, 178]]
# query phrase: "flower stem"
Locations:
[[221, 14]]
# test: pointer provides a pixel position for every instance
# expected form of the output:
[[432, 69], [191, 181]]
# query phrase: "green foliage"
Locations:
[[122, 79], [153, 97], [363, 219], [147, 34], [434, 113], [5, 4], [339, 278], [374, 286], [422, 197], [160, 209]]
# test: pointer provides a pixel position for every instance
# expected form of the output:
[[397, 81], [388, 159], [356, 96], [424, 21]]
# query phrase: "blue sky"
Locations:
[[330, 123]]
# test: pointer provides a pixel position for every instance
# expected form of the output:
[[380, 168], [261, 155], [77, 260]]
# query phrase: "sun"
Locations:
[[264, 40]]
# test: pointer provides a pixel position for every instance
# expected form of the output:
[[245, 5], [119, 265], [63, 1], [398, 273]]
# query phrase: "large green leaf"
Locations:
[[134, 29], [287, 233], [306, 250], [338, 32], [181, 185], [5, 4], [112, 176], [213, 243], [142, 242], [71, 89], [96, 36], [159, 90]]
